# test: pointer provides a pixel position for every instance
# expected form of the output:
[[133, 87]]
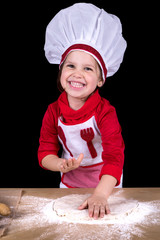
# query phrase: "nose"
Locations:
[[77, 73]]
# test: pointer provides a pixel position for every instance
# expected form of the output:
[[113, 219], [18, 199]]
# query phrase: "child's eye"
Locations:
[[88, 69], [70, 66]]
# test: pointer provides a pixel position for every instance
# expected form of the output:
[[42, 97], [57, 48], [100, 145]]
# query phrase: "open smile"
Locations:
[[77, 85]]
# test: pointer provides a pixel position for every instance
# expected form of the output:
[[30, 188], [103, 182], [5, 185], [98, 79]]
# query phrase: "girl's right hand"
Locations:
[[70, 164]]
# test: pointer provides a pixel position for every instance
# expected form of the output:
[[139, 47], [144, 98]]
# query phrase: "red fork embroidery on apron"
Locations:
[[88, 135], [63, 138]]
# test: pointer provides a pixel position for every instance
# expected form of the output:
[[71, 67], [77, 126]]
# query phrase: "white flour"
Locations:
[[37, 212], [68, 206]]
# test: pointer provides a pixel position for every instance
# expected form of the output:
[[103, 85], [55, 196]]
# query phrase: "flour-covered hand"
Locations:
[[70, 164], [97, 206]]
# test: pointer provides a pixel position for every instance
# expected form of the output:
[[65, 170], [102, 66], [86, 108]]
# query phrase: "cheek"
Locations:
[[93, 80], [63, 78]]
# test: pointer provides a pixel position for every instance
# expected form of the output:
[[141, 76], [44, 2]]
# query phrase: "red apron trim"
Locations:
[[65, 183], [94, 165]]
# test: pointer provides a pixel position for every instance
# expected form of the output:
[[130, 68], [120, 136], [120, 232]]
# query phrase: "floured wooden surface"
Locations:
[[11, 198], [36, 220]]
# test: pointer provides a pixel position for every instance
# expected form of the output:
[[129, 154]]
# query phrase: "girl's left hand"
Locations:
[[71, 163], [97, 206]]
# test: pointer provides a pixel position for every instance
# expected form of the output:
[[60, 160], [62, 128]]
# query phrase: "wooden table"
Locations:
[[27, 221]]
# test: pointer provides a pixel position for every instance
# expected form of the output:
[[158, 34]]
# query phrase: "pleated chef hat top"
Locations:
[[88, 28]]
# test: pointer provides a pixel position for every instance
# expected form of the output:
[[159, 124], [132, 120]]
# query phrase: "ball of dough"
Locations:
[[4, 210]]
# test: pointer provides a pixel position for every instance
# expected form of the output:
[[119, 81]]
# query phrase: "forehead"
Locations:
[[81, 56]]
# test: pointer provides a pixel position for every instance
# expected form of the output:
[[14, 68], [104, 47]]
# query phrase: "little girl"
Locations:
[[87, 42]]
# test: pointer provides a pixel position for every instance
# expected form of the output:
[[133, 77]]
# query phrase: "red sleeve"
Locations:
[[112, 141], [48, 141]]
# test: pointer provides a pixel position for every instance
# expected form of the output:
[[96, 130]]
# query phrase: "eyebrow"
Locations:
[[85, 64]]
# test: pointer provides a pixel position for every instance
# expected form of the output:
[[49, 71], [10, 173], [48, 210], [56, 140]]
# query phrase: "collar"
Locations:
[[70, 115]]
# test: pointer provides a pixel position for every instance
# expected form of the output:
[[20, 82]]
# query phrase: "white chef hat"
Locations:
[[87, 28]]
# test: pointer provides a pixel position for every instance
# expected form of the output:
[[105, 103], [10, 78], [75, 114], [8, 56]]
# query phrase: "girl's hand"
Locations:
[[97, 206], [70, 164]]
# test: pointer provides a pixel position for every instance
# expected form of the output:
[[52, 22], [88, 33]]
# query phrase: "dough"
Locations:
[[4, 209], [68, 206]]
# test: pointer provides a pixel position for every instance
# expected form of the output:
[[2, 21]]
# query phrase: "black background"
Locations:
[[28, 85]]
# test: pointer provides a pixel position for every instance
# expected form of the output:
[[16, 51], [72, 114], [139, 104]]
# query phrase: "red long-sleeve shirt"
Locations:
[[93, 130]]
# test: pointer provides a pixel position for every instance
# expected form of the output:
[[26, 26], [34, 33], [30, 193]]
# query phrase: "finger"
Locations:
[[91, 210], [62, 169], [80, 158], [74, 162], [107, 209], [70, 163], [102, 211], [83, 205], [96, 211], [64, 164]]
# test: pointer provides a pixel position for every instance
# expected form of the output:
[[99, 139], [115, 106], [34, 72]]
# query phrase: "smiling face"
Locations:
[[80, 75]]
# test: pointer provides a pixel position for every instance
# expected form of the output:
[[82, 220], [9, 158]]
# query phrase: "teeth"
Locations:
[[76, 84]]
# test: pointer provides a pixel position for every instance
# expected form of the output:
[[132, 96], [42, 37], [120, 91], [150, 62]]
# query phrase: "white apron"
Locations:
[[82, 138]]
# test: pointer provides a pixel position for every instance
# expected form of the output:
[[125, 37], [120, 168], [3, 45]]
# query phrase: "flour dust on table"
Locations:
[[67, 207], [35, 216]]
